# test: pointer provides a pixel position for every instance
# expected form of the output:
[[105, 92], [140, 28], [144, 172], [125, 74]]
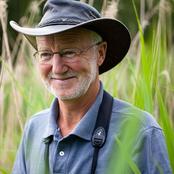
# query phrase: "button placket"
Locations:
[[61, 157]]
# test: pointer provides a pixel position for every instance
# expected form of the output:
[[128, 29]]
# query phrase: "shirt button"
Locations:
[[61, 153]]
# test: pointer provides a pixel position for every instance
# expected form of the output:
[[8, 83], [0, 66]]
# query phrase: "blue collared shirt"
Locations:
[[73, 154]]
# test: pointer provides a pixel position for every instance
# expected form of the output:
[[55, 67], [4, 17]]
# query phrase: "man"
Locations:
[[82, 131]]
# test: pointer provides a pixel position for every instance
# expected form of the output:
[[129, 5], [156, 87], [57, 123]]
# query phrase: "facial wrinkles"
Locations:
[[66, 39], [88, 80], [44, 42], [82, 85], [62, 76], [84, 80], [73, 36]]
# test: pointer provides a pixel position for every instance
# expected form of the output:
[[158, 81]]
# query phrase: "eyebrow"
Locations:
[[43, 49]]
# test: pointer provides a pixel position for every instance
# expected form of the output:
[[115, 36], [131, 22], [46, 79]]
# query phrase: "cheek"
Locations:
[[44, 70], [83, 65], [77, 66]]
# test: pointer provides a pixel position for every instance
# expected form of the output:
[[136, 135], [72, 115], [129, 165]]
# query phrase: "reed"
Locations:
[[145, 77]]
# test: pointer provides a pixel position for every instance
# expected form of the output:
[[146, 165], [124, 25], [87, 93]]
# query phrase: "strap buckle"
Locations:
[[99, 137]]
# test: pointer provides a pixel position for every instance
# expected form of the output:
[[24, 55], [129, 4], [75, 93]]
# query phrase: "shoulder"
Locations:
[[135, 125], [124, 112], [37, 122], [39, 117], [137, 132]]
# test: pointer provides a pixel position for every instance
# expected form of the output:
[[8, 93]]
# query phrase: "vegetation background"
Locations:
[[145, 77]]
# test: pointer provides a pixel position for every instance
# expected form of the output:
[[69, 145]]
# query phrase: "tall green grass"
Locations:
[[144, 78]]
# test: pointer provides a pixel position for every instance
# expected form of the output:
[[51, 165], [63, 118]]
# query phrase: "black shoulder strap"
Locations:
[[45, 168], [101, 127], [99, 134]]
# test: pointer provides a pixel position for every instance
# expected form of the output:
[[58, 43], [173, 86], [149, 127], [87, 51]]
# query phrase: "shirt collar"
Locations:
[[84, 128], [52, 119]]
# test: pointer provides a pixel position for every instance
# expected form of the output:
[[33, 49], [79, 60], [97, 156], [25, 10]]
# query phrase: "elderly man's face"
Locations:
[[70, 79]]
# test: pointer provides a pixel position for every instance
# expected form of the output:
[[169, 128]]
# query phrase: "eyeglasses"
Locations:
[[67, 54]]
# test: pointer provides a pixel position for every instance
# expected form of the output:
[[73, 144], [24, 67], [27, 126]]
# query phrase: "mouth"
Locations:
[[62, 79]]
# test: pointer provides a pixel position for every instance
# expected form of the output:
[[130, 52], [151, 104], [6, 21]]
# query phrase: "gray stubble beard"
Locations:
[[81, 89]]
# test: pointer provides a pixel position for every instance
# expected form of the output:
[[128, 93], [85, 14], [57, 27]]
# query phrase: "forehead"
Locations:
[[78, 35]]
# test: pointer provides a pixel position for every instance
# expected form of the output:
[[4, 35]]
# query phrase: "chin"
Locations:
[[69, 94]]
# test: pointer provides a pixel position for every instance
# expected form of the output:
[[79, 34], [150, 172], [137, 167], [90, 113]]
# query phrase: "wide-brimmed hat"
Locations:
[[63, 15]]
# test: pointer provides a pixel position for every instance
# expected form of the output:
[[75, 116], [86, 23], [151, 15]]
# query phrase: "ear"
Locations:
[[102, 47]]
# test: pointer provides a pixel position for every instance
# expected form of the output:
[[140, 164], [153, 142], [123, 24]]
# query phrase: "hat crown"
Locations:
[[62, 15], [67, 12]]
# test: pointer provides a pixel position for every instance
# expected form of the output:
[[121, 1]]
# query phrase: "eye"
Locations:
[[45, 55], [69, 53]]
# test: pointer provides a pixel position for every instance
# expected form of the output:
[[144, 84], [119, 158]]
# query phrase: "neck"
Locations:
[[72, 111]]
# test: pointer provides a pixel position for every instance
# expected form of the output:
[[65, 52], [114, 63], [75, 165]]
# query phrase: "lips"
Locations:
[[62, 79]]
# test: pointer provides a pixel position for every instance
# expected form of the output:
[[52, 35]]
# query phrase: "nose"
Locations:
[[58, 65]]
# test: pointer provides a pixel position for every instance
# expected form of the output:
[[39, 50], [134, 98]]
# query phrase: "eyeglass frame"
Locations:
[[61, 54]]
